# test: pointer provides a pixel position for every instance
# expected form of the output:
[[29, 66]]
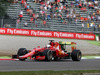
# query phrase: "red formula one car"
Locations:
[[53, 51]]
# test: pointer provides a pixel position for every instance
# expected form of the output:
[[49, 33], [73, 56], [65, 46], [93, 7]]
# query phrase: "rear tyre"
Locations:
[[48, 55], [21, 52], [76, 55]]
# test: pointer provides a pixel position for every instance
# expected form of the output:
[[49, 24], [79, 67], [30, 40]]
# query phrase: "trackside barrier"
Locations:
[[39, 33]]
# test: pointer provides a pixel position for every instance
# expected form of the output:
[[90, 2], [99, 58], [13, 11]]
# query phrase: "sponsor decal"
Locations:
[[85, 36], [39, 33], [63, 34], [17, 31], [2, 31]]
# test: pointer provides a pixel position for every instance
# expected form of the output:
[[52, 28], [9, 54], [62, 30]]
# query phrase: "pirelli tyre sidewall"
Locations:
[[76, 55]]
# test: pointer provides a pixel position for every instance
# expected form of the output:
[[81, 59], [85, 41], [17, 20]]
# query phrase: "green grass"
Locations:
[[79, 72], [97, 43], [5, 57], [90, 57]]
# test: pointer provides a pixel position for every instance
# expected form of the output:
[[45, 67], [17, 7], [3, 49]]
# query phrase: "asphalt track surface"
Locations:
[[32, 65], [9, 45]]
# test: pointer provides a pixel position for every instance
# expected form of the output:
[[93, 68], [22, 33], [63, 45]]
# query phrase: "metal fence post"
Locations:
[[2, 22]]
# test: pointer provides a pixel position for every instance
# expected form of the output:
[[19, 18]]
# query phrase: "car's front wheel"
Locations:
[[21, 52]]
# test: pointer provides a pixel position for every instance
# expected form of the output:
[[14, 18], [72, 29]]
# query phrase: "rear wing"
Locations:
[[73, 44], [66, 43]]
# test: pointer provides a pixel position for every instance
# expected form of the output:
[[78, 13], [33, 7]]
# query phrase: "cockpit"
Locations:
[[48, 46], [52, 42], [63, 47]]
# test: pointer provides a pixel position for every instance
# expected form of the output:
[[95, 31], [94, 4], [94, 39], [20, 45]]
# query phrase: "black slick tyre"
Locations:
[[76, 55], [48, 55], [21, 52]]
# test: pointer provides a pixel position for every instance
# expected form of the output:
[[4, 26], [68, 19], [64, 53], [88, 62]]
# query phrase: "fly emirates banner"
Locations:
[[39, 33]]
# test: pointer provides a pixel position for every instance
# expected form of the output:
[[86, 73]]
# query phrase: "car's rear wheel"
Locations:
[[21, 52], [76, 55], [48, 55]]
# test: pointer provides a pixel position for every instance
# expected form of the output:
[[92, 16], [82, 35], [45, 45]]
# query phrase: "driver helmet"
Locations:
[[48, 46]]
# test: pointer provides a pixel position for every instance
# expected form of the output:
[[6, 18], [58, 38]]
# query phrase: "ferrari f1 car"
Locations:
[[53, 51]]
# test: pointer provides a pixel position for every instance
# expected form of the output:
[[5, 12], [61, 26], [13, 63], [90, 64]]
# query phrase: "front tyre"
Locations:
[[21, 52], [76, 55], [48, 55]]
